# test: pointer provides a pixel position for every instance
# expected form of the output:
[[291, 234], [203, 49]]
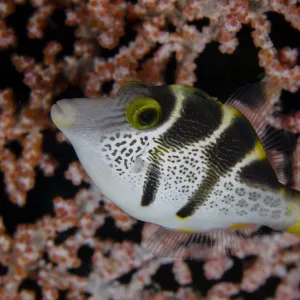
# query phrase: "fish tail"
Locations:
[[293, 212]]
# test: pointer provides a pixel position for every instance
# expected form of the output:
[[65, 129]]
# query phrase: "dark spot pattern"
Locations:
[[254, 196], [271, 201], [230, 148], [121, 150], [198, 120]]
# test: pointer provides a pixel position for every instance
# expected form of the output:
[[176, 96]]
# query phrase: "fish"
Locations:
[[203, 171]]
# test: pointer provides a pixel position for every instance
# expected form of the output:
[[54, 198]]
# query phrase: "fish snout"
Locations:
[[64, 113]]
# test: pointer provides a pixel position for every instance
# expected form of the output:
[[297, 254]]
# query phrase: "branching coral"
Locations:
[[63, 251]]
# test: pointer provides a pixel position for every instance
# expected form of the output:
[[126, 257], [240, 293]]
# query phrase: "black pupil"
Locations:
[[147, 116]]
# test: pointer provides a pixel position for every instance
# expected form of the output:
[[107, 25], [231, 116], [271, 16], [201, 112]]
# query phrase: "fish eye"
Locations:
[[143, 113]]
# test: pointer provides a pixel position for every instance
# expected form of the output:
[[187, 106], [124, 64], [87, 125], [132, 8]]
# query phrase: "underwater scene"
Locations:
[[149, 149]]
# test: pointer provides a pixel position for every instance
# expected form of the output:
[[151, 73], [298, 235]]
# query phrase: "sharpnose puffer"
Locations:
[[174, 156]]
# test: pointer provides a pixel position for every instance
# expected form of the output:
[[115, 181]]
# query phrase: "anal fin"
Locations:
[[166, 242]]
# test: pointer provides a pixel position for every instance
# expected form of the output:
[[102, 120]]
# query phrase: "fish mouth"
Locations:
[[63, 114]]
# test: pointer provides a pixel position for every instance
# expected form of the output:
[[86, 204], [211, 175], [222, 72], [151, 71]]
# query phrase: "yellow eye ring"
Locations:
[[143, 113]]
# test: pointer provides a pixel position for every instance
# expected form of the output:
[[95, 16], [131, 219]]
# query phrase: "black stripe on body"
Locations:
[[151, 185], [167, 101], [200, 195], [257, 172], [166, 98], [230, 148], [199, 119]]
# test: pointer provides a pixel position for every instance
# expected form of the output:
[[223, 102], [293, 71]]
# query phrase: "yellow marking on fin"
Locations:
[[294, 228], [238, 225]]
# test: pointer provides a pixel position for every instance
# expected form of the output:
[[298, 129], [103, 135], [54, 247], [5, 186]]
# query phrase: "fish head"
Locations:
[[115, 138]]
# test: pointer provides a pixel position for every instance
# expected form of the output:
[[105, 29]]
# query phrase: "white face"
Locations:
[[112, 152]]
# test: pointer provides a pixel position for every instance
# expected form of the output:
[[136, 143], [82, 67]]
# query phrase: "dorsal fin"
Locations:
[[256, 103], [167, 242]]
